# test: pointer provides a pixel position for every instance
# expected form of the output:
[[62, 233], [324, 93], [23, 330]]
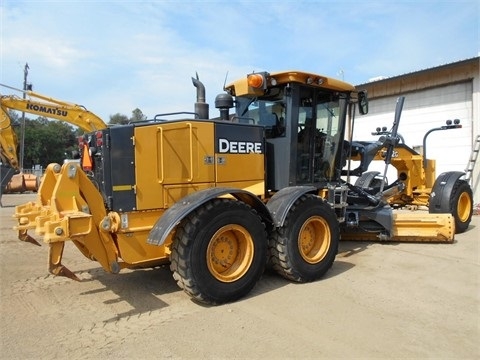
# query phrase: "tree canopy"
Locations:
[[46, 141], [120, 119]]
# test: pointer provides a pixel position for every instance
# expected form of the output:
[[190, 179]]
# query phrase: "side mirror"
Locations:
[[363, 102]]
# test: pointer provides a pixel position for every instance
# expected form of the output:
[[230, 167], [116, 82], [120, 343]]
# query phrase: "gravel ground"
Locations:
[[378, 301]]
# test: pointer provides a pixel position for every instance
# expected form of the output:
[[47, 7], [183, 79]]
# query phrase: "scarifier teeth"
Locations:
[[23, 236], [61, 270]]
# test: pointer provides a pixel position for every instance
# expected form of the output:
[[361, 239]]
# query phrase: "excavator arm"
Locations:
[[9, 164], [48, 107], [8, 141]]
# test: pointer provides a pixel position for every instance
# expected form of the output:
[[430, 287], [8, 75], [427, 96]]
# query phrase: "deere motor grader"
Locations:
[[218, 198]]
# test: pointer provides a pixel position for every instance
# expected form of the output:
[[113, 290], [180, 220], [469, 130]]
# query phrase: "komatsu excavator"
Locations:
[[217, 197], [11, 178]]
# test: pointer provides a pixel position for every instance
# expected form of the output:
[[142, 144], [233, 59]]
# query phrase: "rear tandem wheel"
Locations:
[[304, 248], [219, 251]]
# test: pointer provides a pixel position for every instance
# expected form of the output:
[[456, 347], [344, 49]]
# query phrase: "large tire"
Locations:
[[219, 251], [304, 248], [461, 205]]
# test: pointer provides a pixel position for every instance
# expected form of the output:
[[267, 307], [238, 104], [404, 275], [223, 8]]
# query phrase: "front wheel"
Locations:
[[460, 202], [304, 248], [219, 251]]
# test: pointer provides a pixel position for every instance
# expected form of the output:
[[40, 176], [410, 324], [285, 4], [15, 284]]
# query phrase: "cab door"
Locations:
[[320, 131]]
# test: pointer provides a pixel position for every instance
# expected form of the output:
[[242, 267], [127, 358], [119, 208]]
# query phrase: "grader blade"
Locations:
[[423, 227], [413, 227]]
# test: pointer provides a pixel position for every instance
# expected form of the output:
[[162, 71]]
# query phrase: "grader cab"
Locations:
[[216, 198]]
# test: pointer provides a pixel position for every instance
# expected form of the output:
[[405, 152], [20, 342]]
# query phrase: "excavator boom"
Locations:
[[56, 109]]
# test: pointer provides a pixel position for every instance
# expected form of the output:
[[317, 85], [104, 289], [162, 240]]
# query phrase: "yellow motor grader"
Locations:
[[216, 198]]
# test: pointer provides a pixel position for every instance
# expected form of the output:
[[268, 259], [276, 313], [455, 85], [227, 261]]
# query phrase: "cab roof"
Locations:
[[241, 86]]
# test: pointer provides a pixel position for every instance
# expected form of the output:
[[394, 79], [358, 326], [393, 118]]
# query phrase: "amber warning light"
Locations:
[[255, 80]]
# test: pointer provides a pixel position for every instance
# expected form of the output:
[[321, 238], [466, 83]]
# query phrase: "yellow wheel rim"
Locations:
[[463, 207], [230, 253], [314, 239]]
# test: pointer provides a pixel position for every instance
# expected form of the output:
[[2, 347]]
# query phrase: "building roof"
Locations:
[[474, 61]]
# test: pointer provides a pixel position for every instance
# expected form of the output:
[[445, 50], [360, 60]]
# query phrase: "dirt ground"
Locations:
[[377, 301]]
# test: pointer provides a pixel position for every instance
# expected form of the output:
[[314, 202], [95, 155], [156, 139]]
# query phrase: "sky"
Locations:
[[115, 56]]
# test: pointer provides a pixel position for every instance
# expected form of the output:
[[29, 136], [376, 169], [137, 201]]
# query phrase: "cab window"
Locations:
[[268, 113]]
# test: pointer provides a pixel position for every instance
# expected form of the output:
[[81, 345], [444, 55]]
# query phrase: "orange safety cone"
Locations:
[[86, 159]]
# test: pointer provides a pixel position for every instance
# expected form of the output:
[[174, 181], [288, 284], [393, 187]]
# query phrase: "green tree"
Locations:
[[118, 119], [137, 115], [47, 141], [121, 119]]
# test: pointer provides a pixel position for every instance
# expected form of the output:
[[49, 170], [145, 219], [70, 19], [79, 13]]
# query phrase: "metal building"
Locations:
[[432, 96]]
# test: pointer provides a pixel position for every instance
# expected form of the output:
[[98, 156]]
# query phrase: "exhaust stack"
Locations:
[[201, 107]]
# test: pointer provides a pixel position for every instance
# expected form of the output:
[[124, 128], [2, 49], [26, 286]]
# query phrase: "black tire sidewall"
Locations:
[[225, 213], [461, 187], [312, 206]]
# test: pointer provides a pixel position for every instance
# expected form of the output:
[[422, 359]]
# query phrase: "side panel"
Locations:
[[240, 156], [134, 228], [172, 153], [134, 249], [119, 166], [174, 192]]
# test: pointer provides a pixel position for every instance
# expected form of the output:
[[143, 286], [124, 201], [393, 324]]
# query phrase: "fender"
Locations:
[[172, 216], [440, 195], [282, 201]]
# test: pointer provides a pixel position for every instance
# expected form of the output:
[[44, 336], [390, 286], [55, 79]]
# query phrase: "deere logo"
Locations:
[[239, 147]]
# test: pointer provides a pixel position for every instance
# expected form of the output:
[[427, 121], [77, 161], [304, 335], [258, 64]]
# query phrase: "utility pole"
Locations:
[[26, 87]]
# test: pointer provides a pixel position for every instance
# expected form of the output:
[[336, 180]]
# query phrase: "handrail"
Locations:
[[160, 178], [189, 125]]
